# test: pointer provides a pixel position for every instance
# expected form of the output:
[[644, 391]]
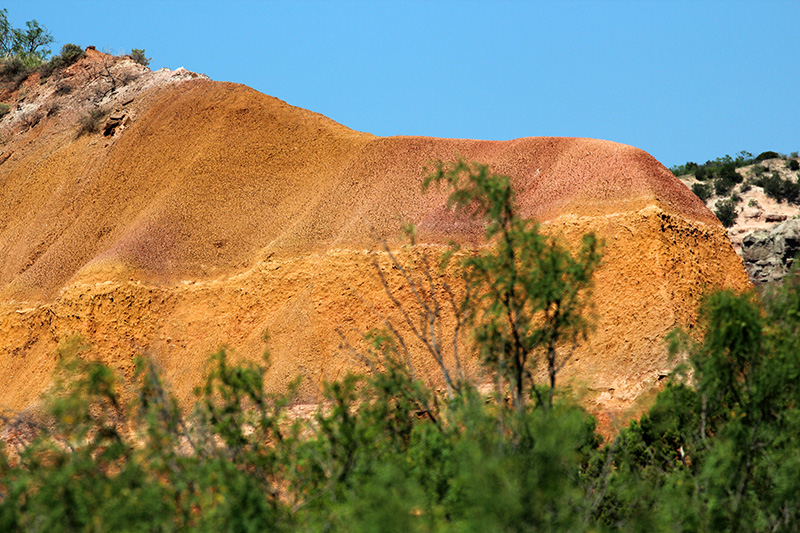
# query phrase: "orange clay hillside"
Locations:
[[205, 213]]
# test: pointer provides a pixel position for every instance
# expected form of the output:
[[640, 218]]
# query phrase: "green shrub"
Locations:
[[70, 53], [793, 164], [5, 109], [726, 212], [778, 188], [728, 173], [702, 190], [137, 54], [722, 186], [767, 155]]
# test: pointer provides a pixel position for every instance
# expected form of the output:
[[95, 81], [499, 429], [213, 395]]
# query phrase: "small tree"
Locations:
[[527, 293], [6, 34], [137, 54], [33, 42], [28, 46]]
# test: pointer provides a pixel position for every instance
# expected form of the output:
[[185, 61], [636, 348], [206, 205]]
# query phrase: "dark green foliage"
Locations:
[[681, 170], [721, 455], [778, 188], [766, 155], [370, 460], [21, 50], [137, 54], [701, 173], [70, 53], [726, 212], [793, 164], [722, 187], [14, 69], [722, 167], [702, 190], [25, 47]]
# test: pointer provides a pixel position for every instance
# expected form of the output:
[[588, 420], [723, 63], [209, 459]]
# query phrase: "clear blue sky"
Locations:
[[683, 80]]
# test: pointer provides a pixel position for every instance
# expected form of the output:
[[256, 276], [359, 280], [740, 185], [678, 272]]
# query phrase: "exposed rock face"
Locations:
[[211, 213], [769, 254]]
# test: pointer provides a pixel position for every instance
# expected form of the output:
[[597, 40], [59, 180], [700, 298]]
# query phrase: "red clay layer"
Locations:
[[213, 174]]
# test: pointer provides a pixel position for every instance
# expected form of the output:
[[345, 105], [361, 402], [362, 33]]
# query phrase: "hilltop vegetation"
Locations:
[[717, 450], [24, 51], [728, 178]]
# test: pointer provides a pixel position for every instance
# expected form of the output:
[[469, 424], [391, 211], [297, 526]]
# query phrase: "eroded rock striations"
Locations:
[[209, 213]]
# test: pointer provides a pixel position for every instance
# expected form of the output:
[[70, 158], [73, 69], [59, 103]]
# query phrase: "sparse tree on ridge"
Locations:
[[29, 44]]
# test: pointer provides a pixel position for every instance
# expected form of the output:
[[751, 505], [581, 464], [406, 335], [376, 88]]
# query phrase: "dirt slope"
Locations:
[[217, 212]]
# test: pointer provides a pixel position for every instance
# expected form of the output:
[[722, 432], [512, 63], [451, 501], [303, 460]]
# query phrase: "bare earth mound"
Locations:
[[216, 213]]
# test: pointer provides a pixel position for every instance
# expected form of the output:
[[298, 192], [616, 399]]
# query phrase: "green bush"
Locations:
[[682, 170], [5, 109], [701, 174], [137, 54], [778, 188], [722, 186], [767, 155], [70, 53], [702, 191], [728, 172], [726, 212], [793, 164]]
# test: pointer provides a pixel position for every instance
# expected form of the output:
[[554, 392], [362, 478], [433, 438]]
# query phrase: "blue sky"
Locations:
[[682, 80]]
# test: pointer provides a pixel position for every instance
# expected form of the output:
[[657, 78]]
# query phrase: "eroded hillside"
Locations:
[[211, 213]]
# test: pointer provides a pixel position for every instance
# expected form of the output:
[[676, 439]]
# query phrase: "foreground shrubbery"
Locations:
[[719, 450], [386, 453]]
